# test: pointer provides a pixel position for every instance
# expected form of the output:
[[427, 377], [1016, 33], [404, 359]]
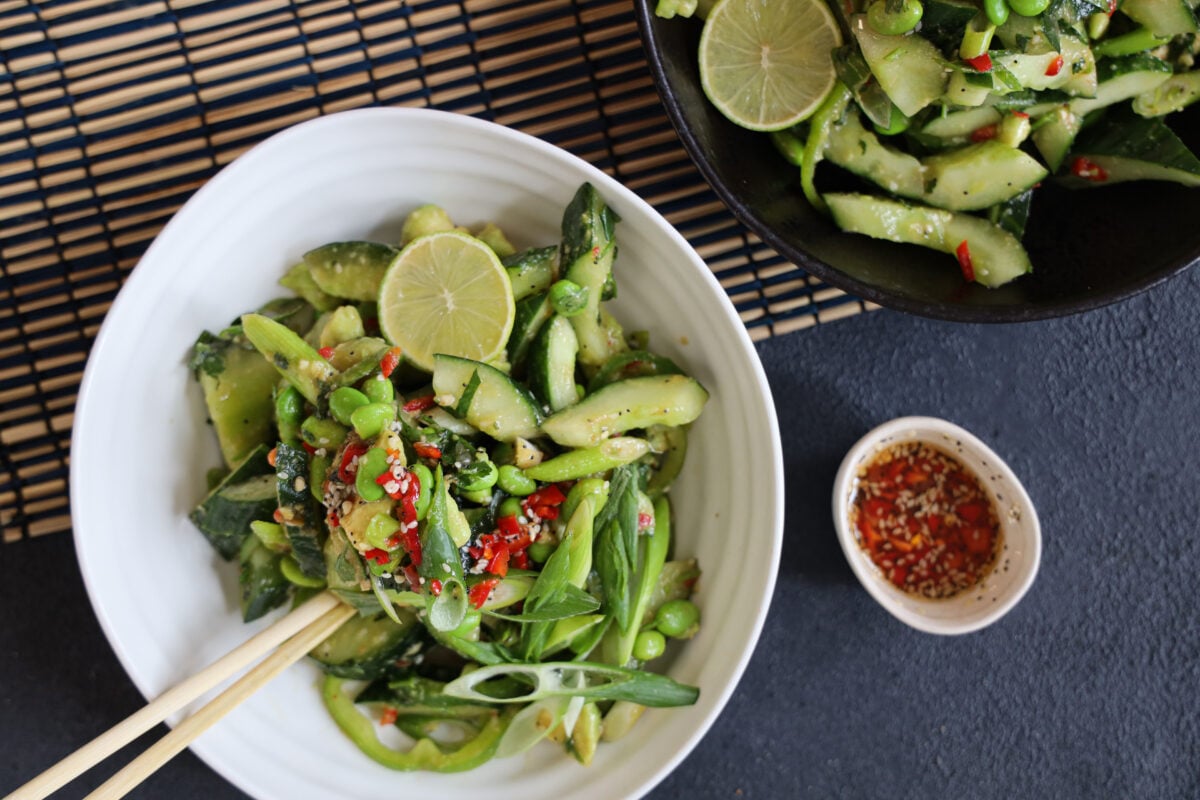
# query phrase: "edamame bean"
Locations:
[[322, 433], [510, 507], [344, 402], [540, 551], [997, 11], [425, 485], [1028, 8], [368, 420], [289, 413], [513, 481], [379, 389], [318, 468], [894, 17], [649, 645], [678, 619], [291, 571], [478, 476], [380, 530], [371, 465], [568, 297]]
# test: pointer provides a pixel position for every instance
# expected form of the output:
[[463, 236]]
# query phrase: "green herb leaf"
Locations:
[[574, 601]]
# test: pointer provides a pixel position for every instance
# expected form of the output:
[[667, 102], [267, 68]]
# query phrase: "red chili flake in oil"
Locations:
[[925, 520]]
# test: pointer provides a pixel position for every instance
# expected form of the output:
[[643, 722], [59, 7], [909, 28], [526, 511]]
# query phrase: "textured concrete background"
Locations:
[[1087, 689]]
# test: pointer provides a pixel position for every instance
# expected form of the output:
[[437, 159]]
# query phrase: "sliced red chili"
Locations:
[[1084, 167], [349, 467], [498, 565], [1020, 114], [1112, 7], [419, 404], [412, 544], [272, 455], [985, 133], [1055, 66], [308, 448], [481, 591], [981, 63], [389, 362], [963, 251], [509, 525], [388, 716], [325, 353], [520, 559], [378, 556], [426, 450], [435, 586]]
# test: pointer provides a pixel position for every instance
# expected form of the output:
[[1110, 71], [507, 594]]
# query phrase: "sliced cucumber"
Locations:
[[1054, 135], [532, 313], [1175, 93], [238, 385], [996, 255], [909, 68], [352, 270], [1123, 78], [300, 281], [302, 520], [968, 89], [225, 515], [980, 175], [1136, 149], [632, 364], [588, 250], [531, 271], [626, 405], [263, 586], [485, 397], [853, 147], [552, 364], [1162, 17], [958, 126], [366, 647]]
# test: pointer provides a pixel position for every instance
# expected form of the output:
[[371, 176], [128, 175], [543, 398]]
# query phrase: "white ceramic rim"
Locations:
[[868, 574], [88, 417]]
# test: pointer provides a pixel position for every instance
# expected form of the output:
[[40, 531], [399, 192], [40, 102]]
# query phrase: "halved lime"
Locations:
[[446, 293], [765, 64]]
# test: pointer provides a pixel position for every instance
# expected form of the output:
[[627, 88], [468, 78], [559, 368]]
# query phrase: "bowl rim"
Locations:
[[835, 277], [873, 582], [88, 415]]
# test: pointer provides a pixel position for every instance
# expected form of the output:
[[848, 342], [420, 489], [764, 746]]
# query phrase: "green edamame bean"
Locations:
[[513, 481], [289, 413], [1028, 8], [379, 389], [649, 645], [322, 433], [540, 551], [368, 420], [380, 530], [894, 17], [291, 571], [677, 618], [425, 485], [344, 402], [568, 297], [480, 497], [510, 507], [997, 11], [371, 465], [318, 468], [897, 123], [478, 476]]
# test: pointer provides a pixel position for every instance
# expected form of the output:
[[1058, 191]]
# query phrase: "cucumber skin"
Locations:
[[626, 405], [519, 420], [552, 364], [227, 533]]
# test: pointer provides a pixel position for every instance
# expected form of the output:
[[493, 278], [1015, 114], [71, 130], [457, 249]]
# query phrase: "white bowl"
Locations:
[[140, 449], [1021, 535]]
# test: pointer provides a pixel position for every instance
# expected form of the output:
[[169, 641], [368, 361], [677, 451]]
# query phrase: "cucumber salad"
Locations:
[[948, 115], [486, 482]]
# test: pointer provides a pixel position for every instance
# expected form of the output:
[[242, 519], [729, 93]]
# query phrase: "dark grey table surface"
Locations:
[[1088, 688]]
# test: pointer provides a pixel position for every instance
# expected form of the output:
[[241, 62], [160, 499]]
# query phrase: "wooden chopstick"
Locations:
[[293, 635]]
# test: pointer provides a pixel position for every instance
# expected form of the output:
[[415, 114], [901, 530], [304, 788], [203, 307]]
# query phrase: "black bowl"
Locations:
[[1089, 247]]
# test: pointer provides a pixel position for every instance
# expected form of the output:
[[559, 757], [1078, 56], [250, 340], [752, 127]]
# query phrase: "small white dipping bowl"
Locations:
[[1020, 532]]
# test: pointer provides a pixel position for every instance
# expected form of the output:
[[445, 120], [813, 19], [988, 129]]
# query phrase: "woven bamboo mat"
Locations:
[[113, 113]]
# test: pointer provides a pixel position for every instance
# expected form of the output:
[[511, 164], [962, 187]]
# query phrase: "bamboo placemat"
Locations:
[[113, 113]]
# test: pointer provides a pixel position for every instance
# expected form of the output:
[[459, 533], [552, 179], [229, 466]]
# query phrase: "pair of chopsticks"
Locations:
[[290, 638]]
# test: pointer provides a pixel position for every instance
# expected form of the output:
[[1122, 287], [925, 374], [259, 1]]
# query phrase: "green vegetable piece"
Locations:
[[1028, 8], [425, 482], [669, 9], [568, 298], [300, 281], [379, 389], [478, 476], [440, 560], [540, 551], [380, 529], [626, 405], [491, 235], [238, 385], [425, 754], [294, 358], [977, 37], [371, 465], [1176, 93], [575, 464], [619, 645], [263, 586], [531, 271], [588, 250], [344, 402], [301, 517], [670, 446], [344, 324], [271, 535], [826, 116], [321, 433], [596, 488], [352, 270], [679, 619], [586, 733], [617, 547], [566, 568], [897, 124], [370, 419], [509, 507], [596, 682], [649, 645], [423, 221], [245, 495], [894, 17], [367, 646], [996, 11], [291, 570], [289, 413], [1128, 44], [789, 145], [513, 481]]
